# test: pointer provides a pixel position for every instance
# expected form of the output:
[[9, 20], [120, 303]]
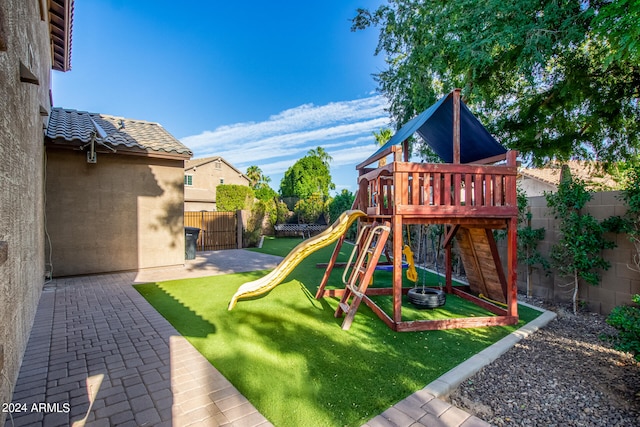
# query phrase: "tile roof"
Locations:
[[202, 161], [75, 128], [196, 163], [589, 172]]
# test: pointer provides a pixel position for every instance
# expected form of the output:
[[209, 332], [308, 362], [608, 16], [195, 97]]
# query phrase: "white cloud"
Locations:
[[352, 155], [343, 129], [292, 132]]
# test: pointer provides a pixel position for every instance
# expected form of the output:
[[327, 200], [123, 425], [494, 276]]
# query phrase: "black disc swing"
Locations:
[[427, 297]]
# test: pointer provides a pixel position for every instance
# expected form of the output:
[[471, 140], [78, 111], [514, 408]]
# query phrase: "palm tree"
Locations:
[[322, 154], [254, 173], [382, 136]]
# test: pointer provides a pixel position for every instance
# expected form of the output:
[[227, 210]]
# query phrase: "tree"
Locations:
[[321, 154], [578, 253], [265, 193], [254, 173], [630, 194], [382, 136], [552, 79], [260, 183], [257, 179], [528, 240], [310, 209], [307, 176], [339, 204]]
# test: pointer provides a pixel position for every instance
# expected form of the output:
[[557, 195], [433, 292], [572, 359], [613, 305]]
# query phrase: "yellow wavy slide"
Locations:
[[300, 252]]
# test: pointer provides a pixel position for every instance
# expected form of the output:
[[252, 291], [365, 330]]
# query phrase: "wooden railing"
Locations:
[[434, 190]]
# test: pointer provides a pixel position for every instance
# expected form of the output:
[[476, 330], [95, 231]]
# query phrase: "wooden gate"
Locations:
[[218, 230]]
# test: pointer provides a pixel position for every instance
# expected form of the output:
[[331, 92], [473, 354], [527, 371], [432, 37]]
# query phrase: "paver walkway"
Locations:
[[100, 355]]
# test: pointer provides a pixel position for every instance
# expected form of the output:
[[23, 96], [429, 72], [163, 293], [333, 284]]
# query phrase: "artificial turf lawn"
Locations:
[[288, 355]]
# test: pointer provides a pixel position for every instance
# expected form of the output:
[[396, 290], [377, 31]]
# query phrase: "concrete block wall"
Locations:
[[617, 285], [24, 40]]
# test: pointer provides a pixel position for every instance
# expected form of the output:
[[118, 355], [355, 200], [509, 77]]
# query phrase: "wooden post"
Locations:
[[240, 221], [397, 268], [332, 263], [448, 270], [202, 235], [397, 223], [450, 232], [512, 257], [405, 150], [456, 127]]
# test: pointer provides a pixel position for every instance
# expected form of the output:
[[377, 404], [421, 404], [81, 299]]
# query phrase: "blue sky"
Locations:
[[257, 82]]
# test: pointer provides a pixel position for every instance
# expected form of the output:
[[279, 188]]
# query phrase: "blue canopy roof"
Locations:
[[435, 126]]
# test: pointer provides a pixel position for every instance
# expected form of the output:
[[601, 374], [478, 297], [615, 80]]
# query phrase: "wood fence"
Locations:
[[218, 230]]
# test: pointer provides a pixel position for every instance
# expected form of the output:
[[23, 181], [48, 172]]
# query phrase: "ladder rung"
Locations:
[[344, 307]]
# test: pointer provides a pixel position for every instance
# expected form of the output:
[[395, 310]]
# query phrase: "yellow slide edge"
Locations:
[[300, 252]]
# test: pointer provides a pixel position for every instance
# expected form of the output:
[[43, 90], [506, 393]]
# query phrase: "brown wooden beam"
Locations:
[[457, 323], [380, 313], [450, 235], [456, 126]]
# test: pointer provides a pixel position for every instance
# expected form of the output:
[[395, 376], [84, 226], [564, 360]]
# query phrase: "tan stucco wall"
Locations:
[[199, 206], [122, 213], [26, 39], [202, 194]]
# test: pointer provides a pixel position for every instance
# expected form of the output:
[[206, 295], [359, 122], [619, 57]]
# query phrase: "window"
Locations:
[[188, 180], [221, 180], [218, 164]]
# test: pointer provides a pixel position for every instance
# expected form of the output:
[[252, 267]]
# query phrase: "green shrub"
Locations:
[[231, 197], [264, 193], [310, 209], [253, 231], [626, 319], [282, 212]]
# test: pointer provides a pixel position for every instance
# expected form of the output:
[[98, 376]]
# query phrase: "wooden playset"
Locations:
[[470, 199], [471, 194]]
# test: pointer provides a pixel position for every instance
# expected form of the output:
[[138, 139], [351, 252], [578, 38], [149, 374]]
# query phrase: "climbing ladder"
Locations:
[[369, 246]]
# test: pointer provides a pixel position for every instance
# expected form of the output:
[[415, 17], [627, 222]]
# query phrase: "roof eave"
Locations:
[[60, 31], [76, 144]]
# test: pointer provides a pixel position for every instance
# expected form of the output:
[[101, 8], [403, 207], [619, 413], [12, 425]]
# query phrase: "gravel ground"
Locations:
[[562, 375]]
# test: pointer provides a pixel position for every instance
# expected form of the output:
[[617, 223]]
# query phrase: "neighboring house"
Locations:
[[536, 181], [35, 37], [114, 194], [202, 176]]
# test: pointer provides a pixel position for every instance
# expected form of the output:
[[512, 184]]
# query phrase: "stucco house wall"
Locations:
[[536, 182], [202, 176], [122, 213], [24, 38], [534, 187]]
